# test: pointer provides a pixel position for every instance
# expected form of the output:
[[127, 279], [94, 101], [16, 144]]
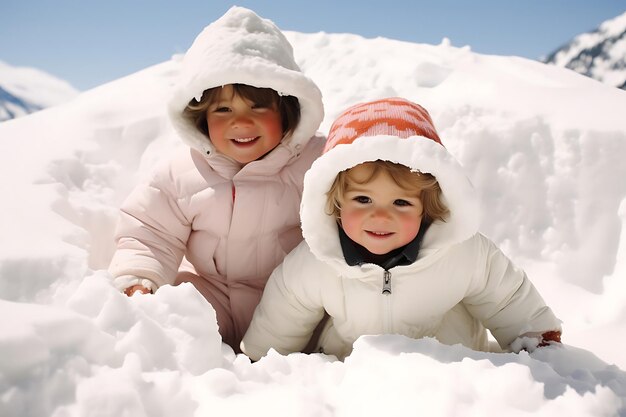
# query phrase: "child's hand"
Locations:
[[131, 290], [533, 340], [548, 337]]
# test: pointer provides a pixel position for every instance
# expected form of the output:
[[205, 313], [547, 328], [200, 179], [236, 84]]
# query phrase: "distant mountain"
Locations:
[[27, 90], [600, 54]]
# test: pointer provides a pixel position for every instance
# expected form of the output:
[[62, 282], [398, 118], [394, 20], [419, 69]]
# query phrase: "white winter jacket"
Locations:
[[460, 283], [233, 224]]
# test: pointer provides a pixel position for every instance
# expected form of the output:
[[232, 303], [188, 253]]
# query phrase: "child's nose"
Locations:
[[380, 213], [241, 120]]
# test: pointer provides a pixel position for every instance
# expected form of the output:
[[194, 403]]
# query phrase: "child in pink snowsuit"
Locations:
[[229, 201]]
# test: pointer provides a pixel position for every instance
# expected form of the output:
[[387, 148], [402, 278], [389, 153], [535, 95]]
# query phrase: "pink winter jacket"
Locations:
[[233, 225]]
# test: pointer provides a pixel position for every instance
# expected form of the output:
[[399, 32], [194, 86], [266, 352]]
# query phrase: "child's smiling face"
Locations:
[[379, 214], [241, 129]]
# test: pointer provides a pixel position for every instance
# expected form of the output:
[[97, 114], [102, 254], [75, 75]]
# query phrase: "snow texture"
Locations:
[[544, 147]]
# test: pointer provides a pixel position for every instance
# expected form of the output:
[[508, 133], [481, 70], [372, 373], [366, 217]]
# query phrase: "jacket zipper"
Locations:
[[387, 322], [387, 283]]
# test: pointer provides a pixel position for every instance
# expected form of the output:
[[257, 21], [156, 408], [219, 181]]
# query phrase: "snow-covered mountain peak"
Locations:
[[24, 90], [600, 54]]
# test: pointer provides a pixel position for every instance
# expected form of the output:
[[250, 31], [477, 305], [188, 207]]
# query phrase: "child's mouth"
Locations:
[[245, 141], [378, 234]]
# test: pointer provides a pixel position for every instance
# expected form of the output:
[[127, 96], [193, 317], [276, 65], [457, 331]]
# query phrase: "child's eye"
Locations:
[[222, 109], [362, 199], [402, 203], [257, 106]]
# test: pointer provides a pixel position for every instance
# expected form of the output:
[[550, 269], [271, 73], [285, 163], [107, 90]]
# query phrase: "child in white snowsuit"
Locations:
[[229, 201], [391, 246]]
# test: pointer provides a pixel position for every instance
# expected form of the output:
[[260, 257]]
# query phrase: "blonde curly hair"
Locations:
[[424, 184]]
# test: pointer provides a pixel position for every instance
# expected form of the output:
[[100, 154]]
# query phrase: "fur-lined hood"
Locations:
[[417, 152], [241, 47]]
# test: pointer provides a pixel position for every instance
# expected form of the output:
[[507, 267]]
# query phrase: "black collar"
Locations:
[[355, 254]]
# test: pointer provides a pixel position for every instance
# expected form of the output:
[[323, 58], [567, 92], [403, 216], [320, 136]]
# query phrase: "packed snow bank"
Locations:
[[100, 346], [104, 354]]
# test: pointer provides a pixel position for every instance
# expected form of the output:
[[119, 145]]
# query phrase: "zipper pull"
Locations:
[[387, 283]]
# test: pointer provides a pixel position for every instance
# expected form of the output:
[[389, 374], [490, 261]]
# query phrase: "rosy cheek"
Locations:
[[273, 124], [212, 125], [350, 222], [411, 224]]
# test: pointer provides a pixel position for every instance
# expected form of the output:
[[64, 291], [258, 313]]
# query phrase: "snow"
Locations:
[[24, 90], [542, 145]]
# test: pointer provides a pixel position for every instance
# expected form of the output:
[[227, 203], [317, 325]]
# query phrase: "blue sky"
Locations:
[[89, 43]]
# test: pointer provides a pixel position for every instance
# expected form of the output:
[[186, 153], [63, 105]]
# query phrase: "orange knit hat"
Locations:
[[389, 116]]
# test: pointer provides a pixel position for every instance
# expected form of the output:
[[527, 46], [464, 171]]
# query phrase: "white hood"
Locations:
[[416, 152], [240, 47]]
